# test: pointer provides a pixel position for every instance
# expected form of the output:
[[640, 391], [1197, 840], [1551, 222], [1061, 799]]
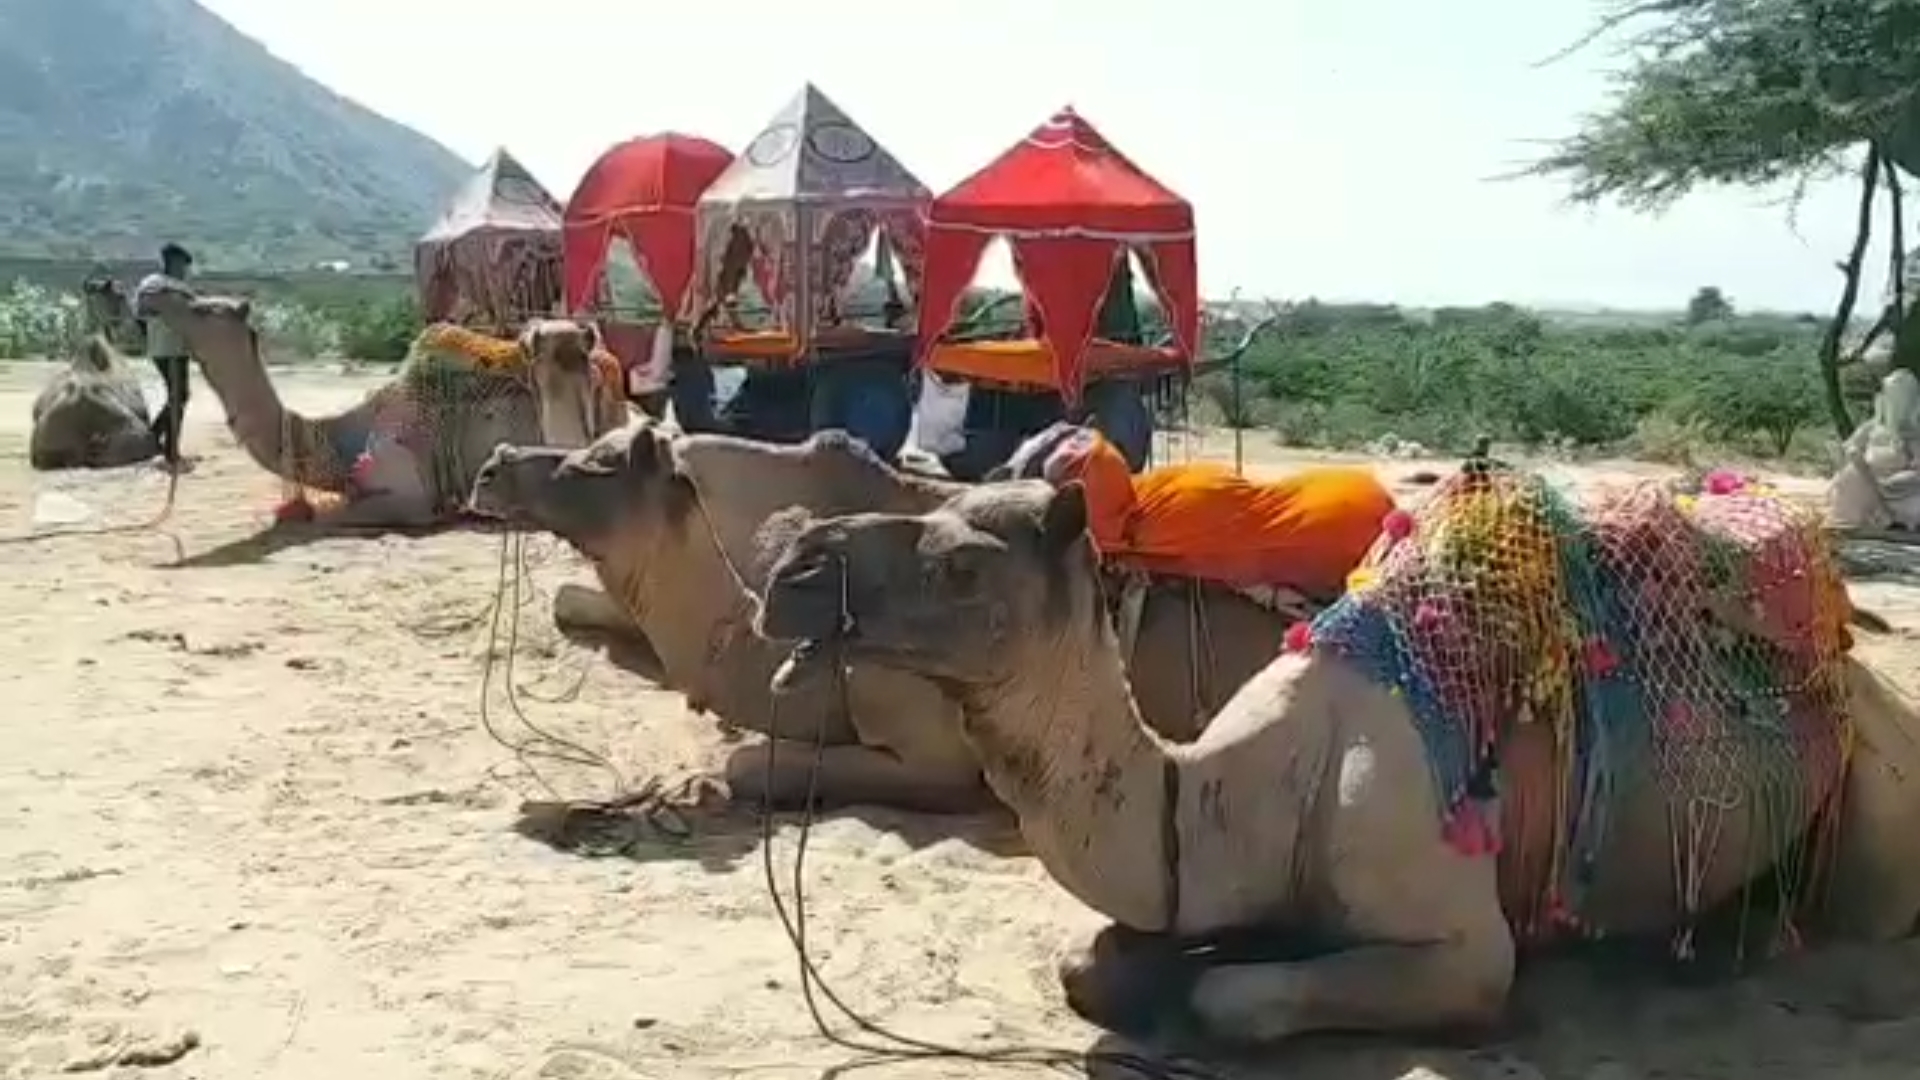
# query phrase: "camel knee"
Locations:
[[1126, 981], [579, 607]]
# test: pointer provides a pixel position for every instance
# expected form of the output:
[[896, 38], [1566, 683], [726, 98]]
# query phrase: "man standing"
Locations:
[[169, 354]]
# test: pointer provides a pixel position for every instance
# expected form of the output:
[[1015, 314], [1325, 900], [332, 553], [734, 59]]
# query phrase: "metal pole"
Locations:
[[1239, 434]]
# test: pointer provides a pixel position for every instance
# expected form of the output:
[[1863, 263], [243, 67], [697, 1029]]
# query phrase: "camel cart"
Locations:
[[493, 260], [1077, 213], [791, 218], [644, 191]]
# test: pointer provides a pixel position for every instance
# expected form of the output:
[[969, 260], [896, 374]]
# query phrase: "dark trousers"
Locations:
[[166, 424]]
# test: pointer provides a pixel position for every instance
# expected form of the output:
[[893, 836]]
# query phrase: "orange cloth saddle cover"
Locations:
[[1305, 532]]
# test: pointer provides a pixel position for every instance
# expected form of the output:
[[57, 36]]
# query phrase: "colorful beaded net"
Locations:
[[1695, 640]]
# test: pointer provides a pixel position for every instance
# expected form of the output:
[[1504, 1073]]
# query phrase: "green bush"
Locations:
[[380, 332]]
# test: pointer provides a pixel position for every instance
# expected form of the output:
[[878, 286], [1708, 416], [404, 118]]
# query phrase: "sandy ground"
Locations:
[[247, 795]]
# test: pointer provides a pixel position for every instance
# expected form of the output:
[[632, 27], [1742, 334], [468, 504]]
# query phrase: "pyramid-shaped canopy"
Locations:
[[1064, 176], [502, 197], [811, 152], [494, 256], [1070, 204]]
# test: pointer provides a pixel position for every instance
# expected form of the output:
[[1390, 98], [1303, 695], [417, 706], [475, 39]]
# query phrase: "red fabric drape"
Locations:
[[1066, 278], [1173, 270], [952, 256], [1069, 203], [644, 191]]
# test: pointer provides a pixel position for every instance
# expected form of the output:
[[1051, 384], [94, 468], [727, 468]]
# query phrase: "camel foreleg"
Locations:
[[1449, 984], [780, 773]]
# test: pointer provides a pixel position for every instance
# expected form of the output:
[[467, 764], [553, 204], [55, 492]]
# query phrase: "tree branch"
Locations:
[[1849, 293]]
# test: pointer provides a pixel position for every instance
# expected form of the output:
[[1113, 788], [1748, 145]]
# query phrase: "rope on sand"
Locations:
[[152, 524]]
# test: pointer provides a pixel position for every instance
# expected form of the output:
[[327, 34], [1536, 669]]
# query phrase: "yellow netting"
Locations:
[[506, 355], [1695, 640]]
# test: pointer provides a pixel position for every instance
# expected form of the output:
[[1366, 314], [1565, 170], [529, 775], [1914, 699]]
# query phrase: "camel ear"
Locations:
[[1064, 522], [529, 342], [593, 337]]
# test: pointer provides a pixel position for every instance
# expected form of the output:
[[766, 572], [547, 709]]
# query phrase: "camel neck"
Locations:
[[696, 614], [282, 442], [1063, 744]]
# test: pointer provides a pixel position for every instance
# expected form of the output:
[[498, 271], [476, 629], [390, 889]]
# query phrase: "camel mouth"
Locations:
[[486, 502], [806, 664]]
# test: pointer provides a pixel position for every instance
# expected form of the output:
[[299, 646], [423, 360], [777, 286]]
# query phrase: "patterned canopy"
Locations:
[[810, 190], [495, 254]]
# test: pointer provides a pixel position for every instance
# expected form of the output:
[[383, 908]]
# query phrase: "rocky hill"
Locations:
[[124, 123]]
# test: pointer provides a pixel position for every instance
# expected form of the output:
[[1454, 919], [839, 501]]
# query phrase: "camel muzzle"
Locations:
[[499, 488], [806, 602]]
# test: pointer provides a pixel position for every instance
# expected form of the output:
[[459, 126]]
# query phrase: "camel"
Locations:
[[1289, 871], [678, 529], [405, 456], [92, 414]]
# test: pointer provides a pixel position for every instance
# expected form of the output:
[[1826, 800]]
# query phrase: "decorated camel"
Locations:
[[92, 414], [407, 454], [1527, 718], [679, 530]]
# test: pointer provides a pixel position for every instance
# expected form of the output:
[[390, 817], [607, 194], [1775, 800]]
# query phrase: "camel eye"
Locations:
[[959, 575]]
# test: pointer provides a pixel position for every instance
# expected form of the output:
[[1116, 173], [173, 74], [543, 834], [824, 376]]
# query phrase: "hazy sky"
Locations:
[[1343, 150]]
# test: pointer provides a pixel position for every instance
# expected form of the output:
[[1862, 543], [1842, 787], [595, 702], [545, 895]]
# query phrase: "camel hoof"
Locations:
[[1127, 982]]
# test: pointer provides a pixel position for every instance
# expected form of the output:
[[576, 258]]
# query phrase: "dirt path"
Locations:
[[250, 799]]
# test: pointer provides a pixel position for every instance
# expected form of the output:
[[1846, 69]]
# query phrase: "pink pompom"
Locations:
[[1599, 659], [1428, 616], [1398, 525], [1723, 482], [1299, 637], [293, 510]]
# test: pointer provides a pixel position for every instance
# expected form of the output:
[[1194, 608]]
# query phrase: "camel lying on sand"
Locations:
[[678, 529], [405, 456], [92, 414], [1308, 817]]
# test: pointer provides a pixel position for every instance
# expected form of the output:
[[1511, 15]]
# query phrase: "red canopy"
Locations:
[[1069, 204], [645, 190]]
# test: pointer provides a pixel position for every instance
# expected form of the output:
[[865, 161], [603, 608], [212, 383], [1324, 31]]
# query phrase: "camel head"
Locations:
[[109, 311], [958, 594], [612, 497], [215, 327], [559, 353]]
